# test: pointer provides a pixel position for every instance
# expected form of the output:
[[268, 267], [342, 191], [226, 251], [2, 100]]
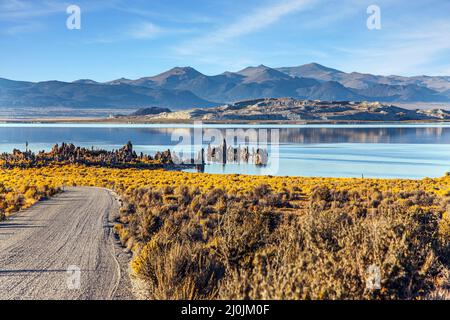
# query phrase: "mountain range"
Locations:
[[185, 88]]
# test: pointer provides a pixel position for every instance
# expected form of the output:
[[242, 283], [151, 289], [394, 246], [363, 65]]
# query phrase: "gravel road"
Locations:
[[62, 248]]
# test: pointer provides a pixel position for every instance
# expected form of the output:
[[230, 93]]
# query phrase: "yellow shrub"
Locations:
[[444, 226]]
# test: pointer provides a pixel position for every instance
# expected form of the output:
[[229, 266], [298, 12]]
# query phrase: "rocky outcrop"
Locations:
[[289, 109], [164, 157], [68, 153], [150, 111]]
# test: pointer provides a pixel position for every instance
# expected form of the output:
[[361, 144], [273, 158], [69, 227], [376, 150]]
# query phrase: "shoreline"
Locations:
[[131, 120]]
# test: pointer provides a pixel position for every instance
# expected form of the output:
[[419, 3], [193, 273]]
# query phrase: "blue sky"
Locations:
[[139, 38]]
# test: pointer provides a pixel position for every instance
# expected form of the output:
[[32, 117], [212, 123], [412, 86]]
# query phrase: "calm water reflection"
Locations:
[[383, 151]]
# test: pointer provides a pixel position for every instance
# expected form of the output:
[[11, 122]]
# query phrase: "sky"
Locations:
[[138, 38]]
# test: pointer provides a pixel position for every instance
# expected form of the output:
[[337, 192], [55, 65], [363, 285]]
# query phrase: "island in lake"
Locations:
[[267, 110], [289, 110]]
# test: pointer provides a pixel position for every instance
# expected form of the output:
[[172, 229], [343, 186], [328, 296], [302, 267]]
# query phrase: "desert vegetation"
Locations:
[[14, 198], [263, 244], [201, 236]]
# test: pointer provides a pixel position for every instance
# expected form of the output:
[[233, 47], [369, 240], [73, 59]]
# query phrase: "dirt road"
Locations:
[[62, 248]]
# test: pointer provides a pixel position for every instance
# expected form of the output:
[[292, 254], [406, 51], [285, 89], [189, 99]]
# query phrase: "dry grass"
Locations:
[[266, 237], [193, 245]]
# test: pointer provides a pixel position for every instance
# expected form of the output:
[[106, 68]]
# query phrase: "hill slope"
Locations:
[[93, 95], [185, 87], [288, 109]]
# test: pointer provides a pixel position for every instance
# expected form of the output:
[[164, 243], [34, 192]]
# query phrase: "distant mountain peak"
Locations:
[[261, 67], [313, 70], [314, 67], [85, 81], [119, 81], [182, 70], [262, 73], [318, 65], [179, 73]]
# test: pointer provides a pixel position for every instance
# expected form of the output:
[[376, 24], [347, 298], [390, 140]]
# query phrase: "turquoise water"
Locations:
[[380, 150]]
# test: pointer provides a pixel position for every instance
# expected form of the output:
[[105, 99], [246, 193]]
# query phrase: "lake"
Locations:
[[375, 150]]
